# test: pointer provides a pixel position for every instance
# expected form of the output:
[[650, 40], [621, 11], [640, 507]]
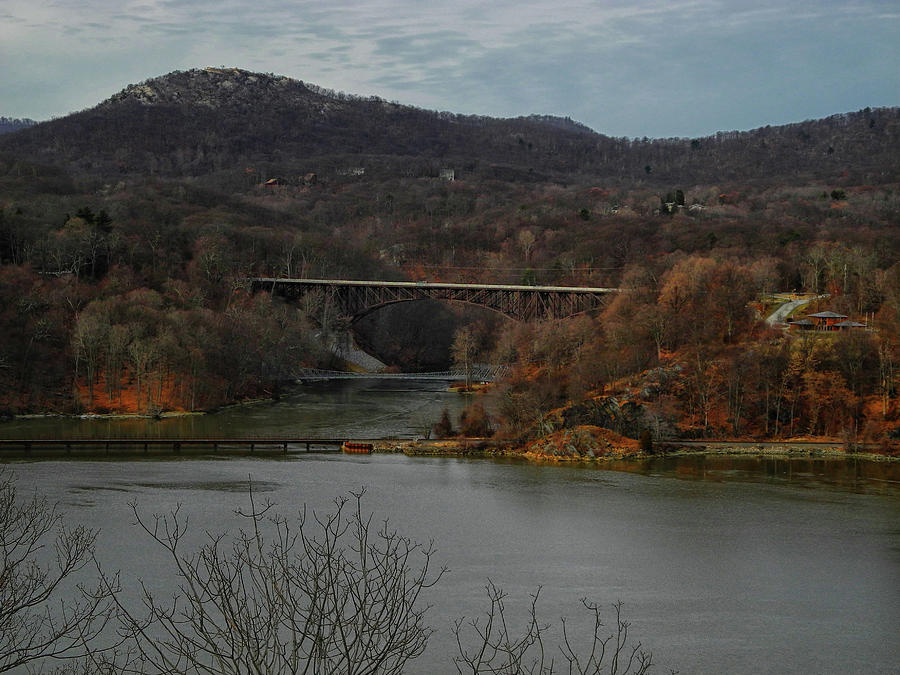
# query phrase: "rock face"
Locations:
[[216, 88], [581, 443], [627, 418]]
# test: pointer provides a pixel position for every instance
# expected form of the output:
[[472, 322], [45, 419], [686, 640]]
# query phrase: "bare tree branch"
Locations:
[[38, 556], [486, 645], [327, 593]]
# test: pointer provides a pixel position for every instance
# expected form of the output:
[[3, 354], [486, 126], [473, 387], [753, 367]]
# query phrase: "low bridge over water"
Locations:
[[522, 303], [478, 373]]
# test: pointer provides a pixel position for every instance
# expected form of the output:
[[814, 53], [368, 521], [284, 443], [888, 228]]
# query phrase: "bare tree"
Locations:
[[487, 644], [331, 595], [38, 559], [464, 349]]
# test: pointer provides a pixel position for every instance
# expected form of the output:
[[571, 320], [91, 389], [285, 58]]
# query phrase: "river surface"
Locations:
[[751, 566], [363, 408]]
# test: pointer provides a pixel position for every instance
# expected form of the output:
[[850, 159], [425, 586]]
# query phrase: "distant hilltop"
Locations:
[[8, 124], [222, 120]]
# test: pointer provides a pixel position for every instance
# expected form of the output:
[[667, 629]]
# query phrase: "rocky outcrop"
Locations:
[[580, 444]]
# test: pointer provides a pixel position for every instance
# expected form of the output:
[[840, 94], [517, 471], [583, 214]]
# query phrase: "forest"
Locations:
[[128, 234]]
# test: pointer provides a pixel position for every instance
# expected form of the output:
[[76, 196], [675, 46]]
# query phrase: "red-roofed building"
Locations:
[[826, 320]]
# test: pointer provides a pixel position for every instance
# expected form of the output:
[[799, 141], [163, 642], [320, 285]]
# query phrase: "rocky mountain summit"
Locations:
[[215, 88]]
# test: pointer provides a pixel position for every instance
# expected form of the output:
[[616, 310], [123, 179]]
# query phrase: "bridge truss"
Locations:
[[522, 303]]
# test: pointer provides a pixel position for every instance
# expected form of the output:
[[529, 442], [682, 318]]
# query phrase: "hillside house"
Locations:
[[848, 325], [826, 320], [801, 324]]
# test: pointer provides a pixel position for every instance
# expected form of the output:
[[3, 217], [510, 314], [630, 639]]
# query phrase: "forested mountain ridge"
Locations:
[[8, 124], [216, 120]]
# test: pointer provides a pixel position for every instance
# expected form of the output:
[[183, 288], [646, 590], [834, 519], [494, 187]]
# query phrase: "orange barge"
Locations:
[[357, 448]]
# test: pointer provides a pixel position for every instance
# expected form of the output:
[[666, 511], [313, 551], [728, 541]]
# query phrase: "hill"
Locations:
[[215, 121], [8, 124]]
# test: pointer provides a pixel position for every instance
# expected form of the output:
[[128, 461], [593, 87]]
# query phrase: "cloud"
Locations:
[[637, 67]]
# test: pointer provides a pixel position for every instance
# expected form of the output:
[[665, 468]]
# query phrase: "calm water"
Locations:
[[748, 567], [365, 408]]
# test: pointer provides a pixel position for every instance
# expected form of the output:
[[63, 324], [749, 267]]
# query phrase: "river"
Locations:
[[723, 568]]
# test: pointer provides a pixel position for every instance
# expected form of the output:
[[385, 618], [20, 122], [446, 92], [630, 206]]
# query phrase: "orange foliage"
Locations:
[[123, 398]]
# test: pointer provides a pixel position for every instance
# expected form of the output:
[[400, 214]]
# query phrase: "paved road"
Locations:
[[781, 314]]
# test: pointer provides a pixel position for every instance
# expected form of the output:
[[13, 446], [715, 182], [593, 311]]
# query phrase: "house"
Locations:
[[826, 320], [801, 324], [447, 174], [848, 325]]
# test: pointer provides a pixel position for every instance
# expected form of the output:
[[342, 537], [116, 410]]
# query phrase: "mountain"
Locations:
[[8, 124], [222, 121]]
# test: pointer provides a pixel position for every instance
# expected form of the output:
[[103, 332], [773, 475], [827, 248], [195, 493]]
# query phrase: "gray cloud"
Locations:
[[641, 67]]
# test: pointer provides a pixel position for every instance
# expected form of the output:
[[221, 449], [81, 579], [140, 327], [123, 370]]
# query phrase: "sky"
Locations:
[[630, 68]]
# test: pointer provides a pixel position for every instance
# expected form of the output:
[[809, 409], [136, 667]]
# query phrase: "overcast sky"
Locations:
[[624, 68]]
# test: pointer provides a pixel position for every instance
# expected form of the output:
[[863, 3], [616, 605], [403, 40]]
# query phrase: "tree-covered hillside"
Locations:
[[128, 233], [221, 121]]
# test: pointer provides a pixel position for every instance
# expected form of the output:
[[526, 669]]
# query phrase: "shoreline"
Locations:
[[486, 448]]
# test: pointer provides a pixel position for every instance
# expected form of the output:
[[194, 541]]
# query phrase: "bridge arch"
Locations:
[[521, 303], [371, 309]]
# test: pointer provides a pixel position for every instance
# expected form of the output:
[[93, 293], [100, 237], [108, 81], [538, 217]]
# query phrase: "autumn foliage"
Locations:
[[123, 284]]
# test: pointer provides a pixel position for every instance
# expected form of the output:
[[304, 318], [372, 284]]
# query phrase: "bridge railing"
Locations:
[[479, 373]]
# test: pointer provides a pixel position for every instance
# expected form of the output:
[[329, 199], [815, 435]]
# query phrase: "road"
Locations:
[[781, 314]]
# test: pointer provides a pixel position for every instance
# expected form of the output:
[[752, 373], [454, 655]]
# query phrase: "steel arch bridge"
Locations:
[[521, 303]]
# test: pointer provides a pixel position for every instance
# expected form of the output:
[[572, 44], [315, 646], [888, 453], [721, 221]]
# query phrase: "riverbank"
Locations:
[[591, 444]]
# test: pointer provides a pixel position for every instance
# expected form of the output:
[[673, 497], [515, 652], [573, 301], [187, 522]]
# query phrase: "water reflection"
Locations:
[[365, 408]]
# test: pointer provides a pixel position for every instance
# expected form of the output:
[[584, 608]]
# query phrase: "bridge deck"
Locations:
[[95, 446], [434, 285], [479, 373]]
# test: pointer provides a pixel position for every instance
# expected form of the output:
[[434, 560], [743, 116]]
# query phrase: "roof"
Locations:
[[849, 324], [801, 322], [827, 315]]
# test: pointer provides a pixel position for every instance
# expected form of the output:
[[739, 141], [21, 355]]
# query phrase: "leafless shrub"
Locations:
[[329, 594], [486, 644], [39, 557]]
